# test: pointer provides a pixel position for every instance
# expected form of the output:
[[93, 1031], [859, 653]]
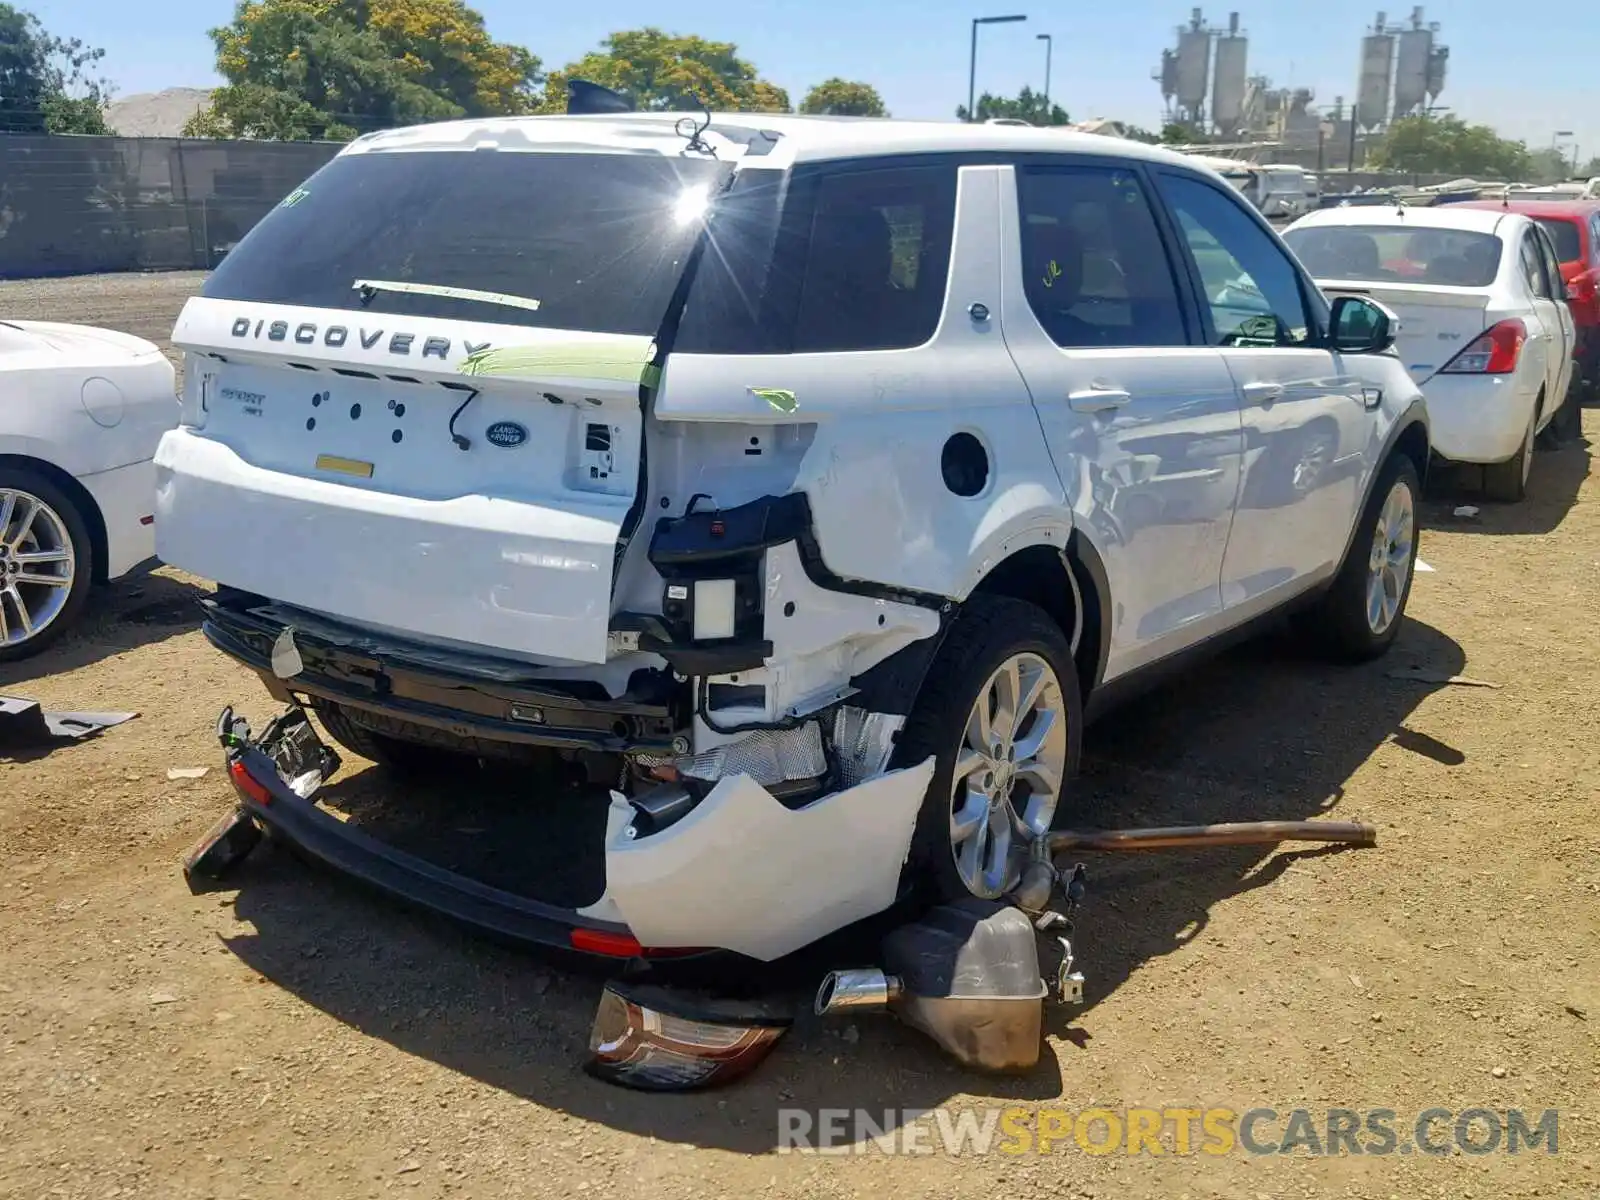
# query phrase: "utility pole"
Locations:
[[1354, 110]]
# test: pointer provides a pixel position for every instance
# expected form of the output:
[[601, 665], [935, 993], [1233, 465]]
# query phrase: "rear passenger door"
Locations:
[[1543, 342], [1560, 372], [1308, 425], [1141, 419]]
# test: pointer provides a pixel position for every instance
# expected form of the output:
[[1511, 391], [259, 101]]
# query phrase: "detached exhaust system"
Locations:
[[968, 974]]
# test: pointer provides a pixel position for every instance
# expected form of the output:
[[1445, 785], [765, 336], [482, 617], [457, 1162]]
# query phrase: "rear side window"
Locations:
[[1397, 254], [1093, 263], [837, 260], [591, 242], [878, 260], [1533, 267], [1565, 236]]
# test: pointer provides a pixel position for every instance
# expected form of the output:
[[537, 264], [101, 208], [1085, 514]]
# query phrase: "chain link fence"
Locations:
[[82, 205]]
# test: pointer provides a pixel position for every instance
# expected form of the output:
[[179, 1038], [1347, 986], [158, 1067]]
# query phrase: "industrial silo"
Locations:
[[1228, 80], [1193, 67], [1411, 67], [1377, 73]]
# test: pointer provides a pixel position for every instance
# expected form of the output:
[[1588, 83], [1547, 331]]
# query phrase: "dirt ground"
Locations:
[[292, 1036]]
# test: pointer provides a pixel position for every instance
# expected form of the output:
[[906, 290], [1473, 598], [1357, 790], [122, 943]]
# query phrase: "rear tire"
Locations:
[[1360, 615], [52, 517], [1507, 482], [991, 635]]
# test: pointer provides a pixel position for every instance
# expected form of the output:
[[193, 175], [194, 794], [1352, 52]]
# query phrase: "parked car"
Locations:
[[808, 479], [81, 412], [1484, 325], [1574, 229]]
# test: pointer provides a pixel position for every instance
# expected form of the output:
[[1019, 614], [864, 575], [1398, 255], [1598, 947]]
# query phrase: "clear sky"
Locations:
[[1527, 78]]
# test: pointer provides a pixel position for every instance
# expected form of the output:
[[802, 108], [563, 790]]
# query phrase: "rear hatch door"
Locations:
[[414, 391]]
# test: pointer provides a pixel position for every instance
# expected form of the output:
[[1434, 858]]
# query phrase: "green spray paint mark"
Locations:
[[294, 198], [622, 361], [783, 401]]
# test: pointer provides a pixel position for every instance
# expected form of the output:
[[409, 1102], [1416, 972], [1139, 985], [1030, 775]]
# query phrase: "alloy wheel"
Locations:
[[1389, 564], [37, 566], [1008, 774]]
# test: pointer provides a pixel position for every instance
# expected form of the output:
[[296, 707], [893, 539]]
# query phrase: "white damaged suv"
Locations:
[[808, 480]]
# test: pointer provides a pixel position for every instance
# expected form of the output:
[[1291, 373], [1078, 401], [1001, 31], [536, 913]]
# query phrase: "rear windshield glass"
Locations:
[[598, 240], [1382, 254], [1564, 233]]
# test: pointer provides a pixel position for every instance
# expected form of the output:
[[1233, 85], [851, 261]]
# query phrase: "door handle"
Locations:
[[1263, 393], [1098, 399]]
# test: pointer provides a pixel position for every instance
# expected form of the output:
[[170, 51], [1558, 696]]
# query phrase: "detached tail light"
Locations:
[[1493, 352], [655, 1040]]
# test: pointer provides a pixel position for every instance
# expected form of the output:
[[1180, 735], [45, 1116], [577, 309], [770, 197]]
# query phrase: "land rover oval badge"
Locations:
[[506, 434]]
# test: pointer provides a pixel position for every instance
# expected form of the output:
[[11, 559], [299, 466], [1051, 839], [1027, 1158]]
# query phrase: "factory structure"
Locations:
[[1206, 84]]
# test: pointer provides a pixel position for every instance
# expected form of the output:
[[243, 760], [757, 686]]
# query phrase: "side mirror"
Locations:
[[1362, 326]]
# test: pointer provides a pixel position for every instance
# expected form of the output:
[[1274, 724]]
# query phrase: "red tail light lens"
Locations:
[[1493, 352], [249, 784]]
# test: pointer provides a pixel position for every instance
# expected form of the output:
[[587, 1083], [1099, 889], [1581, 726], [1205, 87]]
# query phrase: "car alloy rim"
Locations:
[[37, 566], [1389, 566], [1008, 773]]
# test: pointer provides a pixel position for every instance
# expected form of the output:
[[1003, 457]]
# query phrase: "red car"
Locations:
[[1574, 227]]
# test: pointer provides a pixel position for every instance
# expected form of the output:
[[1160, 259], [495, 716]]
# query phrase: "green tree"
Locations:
[[1180, 133], [666, 72], [47, 83], [1028, 105], [1449, 146], [332, 69], [1138, 133], [844, 98]]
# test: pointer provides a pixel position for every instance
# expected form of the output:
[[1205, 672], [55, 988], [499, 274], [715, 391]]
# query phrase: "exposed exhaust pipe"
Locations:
[[865, 989]]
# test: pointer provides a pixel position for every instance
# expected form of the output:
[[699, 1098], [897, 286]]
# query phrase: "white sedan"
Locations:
[[81, 412], [1484, 325]]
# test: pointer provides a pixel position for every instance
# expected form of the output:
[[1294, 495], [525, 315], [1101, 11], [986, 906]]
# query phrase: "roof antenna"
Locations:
[[687, 128]]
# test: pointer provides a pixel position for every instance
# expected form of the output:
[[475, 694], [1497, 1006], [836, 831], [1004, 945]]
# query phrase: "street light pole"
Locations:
[[1049, 45], [972, 60]]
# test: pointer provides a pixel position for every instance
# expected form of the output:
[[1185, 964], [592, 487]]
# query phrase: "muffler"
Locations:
[[966, 975]]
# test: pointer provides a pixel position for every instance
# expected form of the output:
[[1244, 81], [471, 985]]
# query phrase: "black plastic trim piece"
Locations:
[[709, 658]]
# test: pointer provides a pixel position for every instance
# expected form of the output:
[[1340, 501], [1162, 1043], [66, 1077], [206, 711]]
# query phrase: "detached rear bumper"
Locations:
[[262, 770]]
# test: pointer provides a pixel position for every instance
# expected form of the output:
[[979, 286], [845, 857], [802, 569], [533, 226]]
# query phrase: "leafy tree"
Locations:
[[336, 68], [1138, 133], [1448, 145], [1180, 133], [844, 98], [47, 84], [665, 72], [1029, 106]]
